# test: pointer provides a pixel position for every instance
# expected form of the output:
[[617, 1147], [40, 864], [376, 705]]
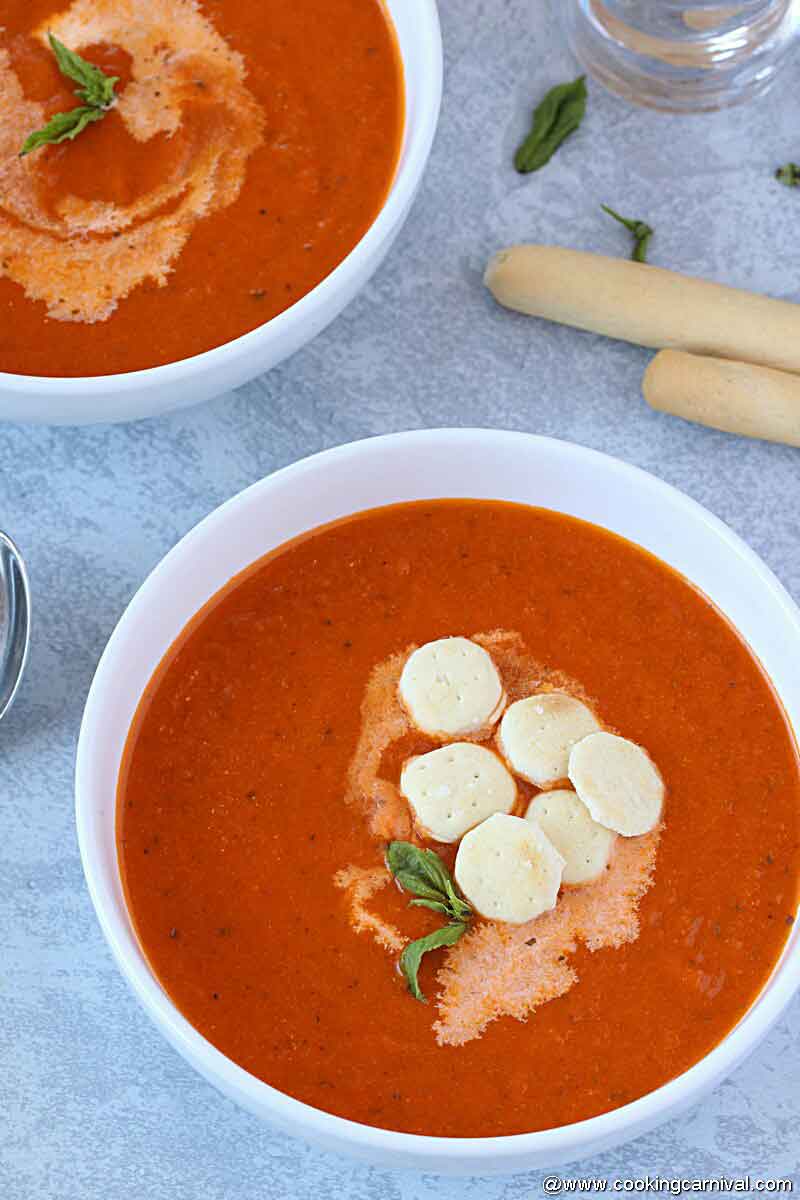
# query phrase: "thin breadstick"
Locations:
[[646, 305], [756, 402]]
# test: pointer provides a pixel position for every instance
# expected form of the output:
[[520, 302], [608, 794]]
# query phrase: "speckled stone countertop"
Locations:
[[94, 1105]]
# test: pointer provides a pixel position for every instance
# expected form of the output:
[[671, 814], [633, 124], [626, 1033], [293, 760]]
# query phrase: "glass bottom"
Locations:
[[682, 57]]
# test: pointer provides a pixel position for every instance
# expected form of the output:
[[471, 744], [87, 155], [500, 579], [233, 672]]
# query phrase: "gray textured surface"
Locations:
[[93, 1104]]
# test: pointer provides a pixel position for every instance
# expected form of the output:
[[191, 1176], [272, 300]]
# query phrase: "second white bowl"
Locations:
[[157, 390], [479, 464]]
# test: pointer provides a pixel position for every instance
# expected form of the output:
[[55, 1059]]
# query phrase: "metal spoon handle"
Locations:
[[15, 611]]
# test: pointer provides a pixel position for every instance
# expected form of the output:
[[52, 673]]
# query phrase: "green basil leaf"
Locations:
[[436, 905], [413, 954], [410, 882], [458, 907], [789, 174], [640, 231], [61, 127], [422, 873], [554, 119], [96, 88]]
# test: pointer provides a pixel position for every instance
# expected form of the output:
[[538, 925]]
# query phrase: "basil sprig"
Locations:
[[554, 119], [423, 873], [639, 230], [96, 90]]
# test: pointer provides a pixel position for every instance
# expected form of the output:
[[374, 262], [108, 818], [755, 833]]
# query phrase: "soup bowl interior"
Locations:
[[476, 464], [156, 390]]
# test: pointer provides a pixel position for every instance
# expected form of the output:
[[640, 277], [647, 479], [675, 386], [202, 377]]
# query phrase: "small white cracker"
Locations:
[[536, 735], [509, 870], [451, 687], [618, 783], [456, 787], [584, 844]]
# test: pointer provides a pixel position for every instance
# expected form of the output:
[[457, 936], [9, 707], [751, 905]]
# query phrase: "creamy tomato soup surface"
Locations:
[[249, 149], [579, 737]]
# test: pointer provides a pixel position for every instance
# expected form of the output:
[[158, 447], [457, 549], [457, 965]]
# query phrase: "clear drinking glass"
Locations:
[[682, 57]]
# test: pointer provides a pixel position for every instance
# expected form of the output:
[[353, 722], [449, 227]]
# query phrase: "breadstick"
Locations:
[[737, 397], [647, 305]]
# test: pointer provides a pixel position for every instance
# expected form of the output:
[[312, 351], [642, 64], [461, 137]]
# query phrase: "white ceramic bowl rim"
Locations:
[[418, 139], [365, 1140]]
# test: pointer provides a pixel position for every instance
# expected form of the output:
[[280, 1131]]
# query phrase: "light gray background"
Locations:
[[93, 1104]]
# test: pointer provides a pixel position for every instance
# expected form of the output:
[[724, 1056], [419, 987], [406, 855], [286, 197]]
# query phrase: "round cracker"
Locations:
[[618, 782], [509, 870], [454, 788], [537, 734], [451, 688], [582, 842]]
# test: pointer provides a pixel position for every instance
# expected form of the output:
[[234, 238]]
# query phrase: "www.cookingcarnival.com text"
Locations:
[[558, 1185]]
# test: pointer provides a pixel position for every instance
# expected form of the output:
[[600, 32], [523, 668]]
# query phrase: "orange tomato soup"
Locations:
[[232, 821], [250, 148]]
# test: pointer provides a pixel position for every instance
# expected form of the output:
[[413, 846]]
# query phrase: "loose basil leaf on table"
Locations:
[[554, 119], [789, 174]]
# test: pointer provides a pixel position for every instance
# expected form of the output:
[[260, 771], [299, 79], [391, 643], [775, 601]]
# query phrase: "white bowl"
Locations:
[[147, 393], [414, 466]]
